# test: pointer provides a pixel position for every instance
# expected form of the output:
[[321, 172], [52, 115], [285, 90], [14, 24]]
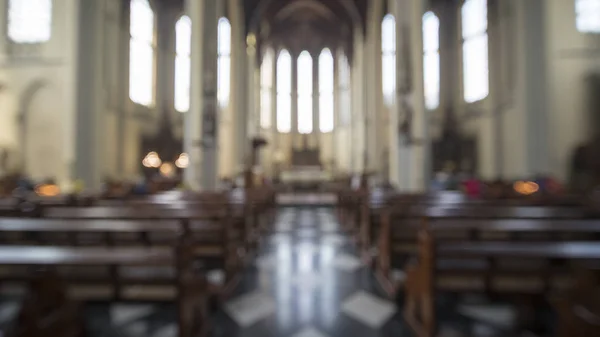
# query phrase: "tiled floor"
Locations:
[[306, 281]]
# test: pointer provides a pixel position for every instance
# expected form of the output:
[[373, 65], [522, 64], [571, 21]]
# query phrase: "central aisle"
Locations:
[[307, 282]]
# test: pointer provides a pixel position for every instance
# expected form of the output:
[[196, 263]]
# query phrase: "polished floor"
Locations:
[[306, 281]]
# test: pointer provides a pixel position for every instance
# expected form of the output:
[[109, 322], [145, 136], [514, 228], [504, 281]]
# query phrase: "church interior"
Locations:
[[300, 168]]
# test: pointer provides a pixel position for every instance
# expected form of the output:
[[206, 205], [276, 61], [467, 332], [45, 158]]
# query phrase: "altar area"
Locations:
[[305, 178]]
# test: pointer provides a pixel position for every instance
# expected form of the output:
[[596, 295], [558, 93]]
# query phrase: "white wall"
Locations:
[[572, 56]]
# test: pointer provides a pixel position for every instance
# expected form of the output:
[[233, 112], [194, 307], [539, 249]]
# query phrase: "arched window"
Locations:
[[588, 15], [326, 115], [388, 65], [305, 93], [141, 53], [224, 62], [475, 50], [284, 92], [183, 37], [344, 90], [29, 21], [266, 87], [431, 60]]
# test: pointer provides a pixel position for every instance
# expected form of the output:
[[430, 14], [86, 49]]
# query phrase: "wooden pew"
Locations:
[[191, 293], [424, 277], [218, 241], [399, 225]]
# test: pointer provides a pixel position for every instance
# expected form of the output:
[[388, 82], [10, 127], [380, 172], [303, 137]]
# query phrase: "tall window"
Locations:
[[326, 113], [344, 90], [588, 15], [224, 62], [305, 93], [284, 92], [141, 53], [266, 87], [431, 60], [388, 49], [475, 50], [183, 36], [29, 21]]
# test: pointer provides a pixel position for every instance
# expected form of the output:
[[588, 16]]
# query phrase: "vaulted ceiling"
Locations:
[[305, 24]]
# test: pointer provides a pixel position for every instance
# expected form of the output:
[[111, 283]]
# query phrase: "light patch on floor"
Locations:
[[346, 262], [310, 332], [250, 308], [368, 309]]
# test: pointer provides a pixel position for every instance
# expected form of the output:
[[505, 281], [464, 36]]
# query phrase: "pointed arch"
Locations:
[[305, 93], [141, 53], [183, 45], [284, 92]]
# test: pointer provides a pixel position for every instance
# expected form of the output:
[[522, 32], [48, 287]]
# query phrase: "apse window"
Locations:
[[431, 60], [284, 92], [141, 53], [224, 62], [388, 51], [29, 21], [588, 16], [326, 108], [475, 50], [183, 32], [266, 86], [305, 93]]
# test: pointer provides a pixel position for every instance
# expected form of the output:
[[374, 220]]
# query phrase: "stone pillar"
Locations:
[[420, 154], [201, 120], [316, 134], [296, 136], [239, 109], [90, 96]]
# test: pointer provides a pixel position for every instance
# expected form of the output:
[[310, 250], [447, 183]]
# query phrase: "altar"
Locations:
[[305, 177]]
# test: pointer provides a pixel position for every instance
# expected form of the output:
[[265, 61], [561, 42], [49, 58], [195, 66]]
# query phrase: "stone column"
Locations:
[[90, 96], [420, 154], [201, 120], [315, 137], [239, 109], [296, 136]]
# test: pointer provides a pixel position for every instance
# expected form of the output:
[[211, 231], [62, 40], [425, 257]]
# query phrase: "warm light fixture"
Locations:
[[167, 170], [152, 160], [47, 190], [526, 187], [183, 161]]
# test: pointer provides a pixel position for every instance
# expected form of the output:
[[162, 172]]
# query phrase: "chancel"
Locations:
[[299, 168]]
